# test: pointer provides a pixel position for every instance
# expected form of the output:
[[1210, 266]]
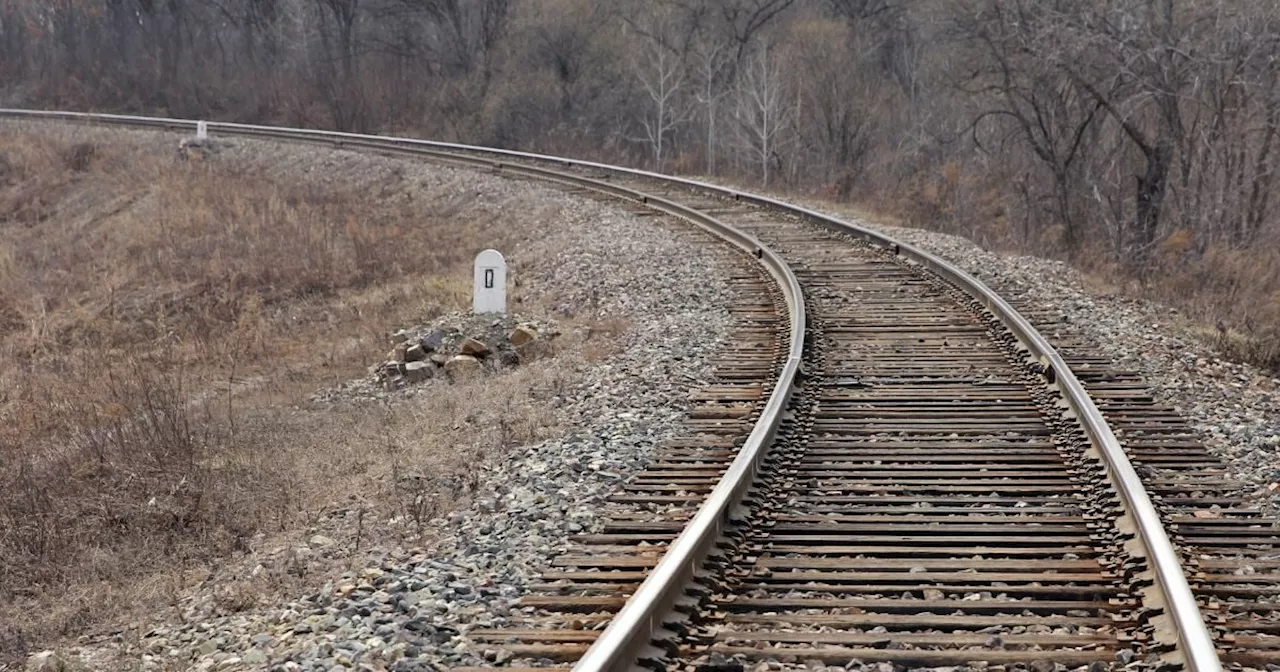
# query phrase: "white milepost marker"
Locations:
[[489, 294], [202, 130]]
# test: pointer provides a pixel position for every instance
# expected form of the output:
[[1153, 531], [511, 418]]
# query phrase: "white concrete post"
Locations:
[[202, 131], [489, 293]]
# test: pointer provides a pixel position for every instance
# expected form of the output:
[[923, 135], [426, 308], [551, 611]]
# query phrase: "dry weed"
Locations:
[[161, 325], [1237, 291]]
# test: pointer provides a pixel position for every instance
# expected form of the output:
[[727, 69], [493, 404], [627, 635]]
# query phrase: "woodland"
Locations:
[[1133, 138]]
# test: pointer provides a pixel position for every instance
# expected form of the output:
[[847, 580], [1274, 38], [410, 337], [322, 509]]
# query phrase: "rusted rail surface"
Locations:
[[942, 488]]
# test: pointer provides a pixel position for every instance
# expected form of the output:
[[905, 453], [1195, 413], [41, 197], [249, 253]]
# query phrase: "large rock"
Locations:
[[432, 341], [522, 335], [474, 347], [416, 372], [439, 359], [415, 353], [531, 350], [39, 662], [462, 364]]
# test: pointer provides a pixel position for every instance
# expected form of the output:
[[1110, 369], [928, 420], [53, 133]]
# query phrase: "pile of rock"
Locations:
[[457, 345], [197, 149]]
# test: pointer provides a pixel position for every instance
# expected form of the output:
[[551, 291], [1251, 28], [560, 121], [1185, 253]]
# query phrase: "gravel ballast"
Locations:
[[1233, 407]]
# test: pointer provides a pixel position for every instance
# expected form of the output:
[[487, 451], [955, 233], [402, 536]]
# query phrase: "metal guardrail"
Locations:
[[619, 645]]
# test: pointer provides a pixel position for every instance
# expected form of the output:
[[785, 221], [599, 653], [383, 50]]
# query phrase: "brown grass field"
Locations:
[[162, 325]]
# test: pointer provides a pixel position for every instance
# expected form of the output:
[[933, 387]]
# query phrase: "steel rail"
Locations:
[[618, 646]]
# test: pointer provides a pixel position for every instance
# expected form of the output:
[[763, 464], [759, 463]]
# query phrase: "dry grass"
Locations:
[[161, 326], [1237, 291]]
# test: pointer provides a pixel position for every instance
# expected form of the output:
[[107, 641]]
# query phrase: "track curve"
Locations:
[[922, 385]]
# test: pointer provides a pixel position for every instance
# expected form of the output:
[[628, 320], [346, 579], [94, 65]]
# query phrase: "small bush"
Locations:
[[1238, 289], [79, 157]]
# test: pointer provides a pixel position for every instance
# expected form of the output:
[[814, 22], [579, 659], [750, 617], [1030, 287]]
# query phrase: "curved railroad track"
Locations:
[[893, 466]]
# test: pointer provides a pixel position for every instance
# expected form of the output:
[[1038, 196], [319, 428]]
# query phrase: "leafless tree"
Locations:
[[763, 110], [658, 63], [1140, 133], [744, 20], [1048, 112], [841, 102], [712, 67], [662, 76]]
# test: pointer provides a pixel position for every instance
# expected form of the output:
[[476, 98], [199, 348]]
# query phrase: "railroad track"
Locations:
[[893, 467]]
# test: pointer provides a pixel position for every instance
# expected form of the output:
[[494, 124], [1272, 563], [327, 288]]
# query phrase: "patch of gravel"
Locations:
[[403, 608], [1234, 407]]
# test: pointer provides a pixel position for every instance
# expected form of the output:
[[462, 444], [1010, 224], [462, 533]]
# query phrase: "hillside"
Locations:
[[184, 361]]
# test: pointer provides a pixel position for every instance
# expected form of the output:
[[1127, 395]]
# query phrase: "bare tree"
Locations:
[[659, 67], [562, 36], [841, 99], [337, 77], [745, 20], [712, 65], [763, 110], [342, 14], [1149, 66], [1020, 84], [662, 76]]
